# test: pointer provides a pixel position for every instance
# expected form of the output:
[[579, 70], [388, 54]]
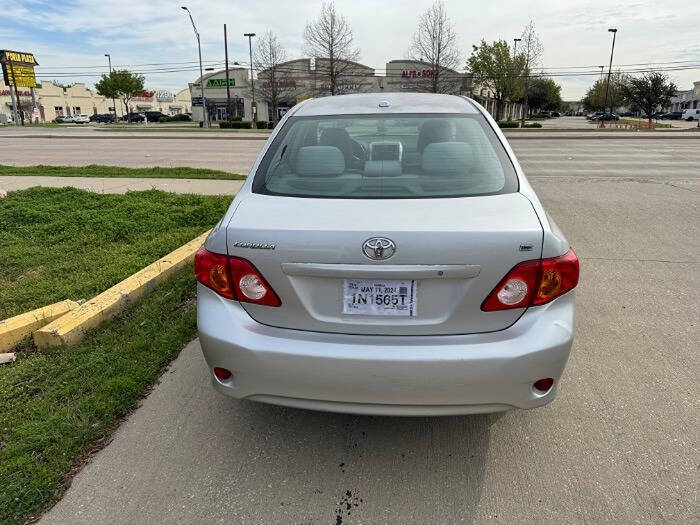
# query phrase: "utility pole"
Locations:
[[614, 32], [114, 102], [252, 84], [205, 116], [228, 82]]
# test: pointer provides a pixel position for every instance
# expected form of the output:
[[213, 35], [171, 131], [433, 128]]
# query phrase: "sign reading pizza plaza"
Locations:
[[18, 68], [220, 82]]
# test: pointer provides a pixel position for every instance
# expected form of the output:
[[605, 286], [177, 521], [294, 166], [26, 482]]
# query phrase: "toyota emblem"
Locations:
[[378, 248]]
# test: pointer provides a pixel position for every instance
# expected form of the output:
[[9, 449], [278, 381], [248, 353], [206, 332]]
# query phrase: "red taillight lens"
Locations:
[[222, 373], [532, 283], [213, 270], [233, 278]]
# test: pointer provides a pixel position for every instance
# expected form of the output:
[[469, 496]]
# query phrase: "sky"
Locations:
[[70, 37]]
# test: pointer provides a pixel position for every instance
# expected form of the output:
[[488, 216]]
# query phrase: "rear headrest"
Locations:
[[447, 158], [319, 161], [433, 130]]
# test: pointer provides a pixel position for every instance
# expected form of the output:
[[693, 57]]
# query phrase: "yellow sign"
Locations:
[[20, 75], [20, 58]]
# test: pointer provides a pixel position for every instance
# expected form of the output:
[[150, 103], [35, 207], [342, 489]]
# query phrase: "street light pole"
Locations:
[[607, 86], [515, 50], [252, 84], [228, 81], [114, 102], [205, 119]]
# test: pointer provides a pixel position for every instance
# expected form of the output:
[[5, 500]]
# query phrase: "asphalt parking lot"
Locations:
[[620, 444]]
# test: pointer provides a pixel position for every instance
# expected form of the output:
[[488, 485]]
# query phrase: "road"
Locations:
[[620, 443]]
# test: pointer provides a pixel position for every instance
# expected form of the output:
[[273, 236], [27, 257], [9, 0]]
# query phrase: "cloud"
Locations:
[[157, 31]]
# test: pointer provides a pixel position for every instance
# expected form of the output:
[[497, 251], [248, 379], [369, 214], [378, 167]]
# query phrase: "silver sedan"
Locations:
[[387, 255]]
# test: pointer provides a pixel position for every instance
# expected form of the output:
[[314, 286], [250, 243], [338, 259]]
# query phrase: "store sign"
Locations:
[[163, 95], [18, 68], [6, 93], [220, 82], [144, 96], [196, 101], [281, 84], [418, 73]]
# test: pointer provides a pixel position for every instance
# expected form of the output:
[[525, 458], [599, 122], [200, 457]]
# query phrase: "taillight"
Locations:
[[233, 278], [213, 270], [531, 283]]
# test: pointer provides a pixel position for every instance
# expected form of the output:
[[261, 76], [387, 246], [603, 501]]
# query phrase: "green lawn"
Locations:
[[55, 405], [96, 170]]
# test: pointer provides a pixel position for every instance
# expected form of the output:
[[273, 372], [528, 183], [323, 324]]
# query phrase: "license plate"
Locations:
[[379, 297]]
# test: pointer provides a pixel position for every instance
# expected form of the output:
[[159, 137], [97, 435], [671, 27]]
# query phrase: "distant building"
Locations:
[[304, 78], [688, 99], [53, 100]]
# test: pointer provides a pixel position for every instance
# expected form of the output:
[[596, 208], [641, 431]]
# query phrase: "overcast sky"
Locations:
[[69, 36]]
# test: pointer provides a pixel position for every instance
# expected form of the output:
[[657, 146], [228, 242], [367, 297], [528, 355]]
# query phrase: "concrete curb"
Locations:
[[71, 328], [14, 329]]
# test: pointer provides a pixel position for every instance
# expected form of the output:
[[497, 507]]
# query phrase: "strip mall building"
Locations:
[[53, 100], [303, 78]]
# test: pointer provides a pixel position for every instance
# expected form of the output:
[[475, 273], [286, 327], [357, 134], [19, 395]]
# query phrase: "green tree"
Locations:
[[649, 92], [545, 94], [121, 84], [493, 66], [594, 99]]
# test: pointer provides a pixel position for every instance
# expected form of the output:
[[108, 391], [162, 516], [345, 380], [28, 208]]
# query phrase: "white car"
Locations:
[[387, 255], [691, 114], [81, 119]]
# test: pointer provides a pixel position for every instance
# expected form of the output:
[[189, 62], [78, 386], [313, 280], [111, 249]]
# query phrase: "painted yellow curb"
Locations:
[[70, 329], [14, 329]]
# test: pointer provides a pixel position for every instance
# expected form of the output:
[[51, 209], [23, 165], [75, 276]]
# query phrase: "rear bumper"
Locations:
[[390, 375]]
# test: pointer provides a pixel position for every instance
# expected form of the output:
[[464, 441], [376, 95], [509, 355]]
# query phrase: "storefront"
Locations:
[[296, 80]]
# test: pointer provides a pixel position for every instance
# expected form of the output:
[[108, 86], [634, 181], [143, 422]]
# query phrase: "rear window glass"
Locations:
[[386, 156]]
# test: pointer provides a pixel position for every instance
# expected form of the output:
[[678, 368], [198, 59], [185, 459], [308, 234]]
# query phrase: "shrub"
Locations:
[[262, 124], [508, 124], [236, 124], [532, 125], [182, 117]]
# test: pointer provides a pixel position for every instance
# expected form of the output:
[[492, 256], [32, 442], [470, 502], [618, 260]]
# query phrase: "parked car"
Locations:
[[594, 115], [153, 116], [64, 119], [673, 115], [81, 119], [542, 114], [386, 256], [103, 117], [135, 117], [606, 116], [554, 114], [691, 114]]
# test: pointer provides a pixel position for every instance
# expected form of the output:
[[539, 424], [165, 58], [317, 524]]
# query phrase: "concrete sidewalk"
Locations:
[[122, 185]]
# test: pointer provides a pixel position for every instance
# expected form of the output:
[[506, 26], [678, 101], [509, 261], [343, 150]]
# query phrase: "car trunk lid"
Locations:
[[449, 254]]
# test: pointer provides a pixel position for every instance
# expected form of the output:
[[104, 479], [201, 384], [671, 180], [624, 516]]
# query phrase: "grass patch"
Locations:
[[65, 243], [57, 404], [97, 170]]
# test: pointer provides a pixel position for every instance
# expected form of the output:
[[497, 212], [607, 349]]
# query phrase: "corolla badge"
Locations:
[[379, 248]]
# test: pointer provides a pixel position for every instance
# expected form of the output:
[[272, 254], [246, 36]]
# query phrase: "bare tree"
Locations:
[[329, 39], [273, 85], [435, 43], [532, 52]]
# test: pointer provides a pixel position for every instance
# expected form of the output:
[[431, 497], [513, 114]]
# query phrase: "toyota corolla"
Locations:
[[387, 255]]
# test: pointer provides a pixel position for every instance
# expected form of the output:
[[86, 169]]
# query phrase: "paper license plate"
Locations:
[[380, 297]]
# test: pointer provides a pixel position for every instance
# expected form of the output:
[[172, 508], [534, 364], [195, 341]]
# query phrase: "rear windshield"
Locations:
[[386, 156]]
